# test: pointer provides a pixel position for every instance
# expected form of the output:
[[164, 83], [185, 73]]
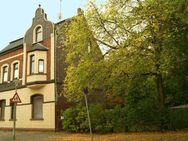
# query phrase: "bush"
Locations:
[[143, 108], [145, 116], [69, 121], [98, 120], [116, 119], [178, 118], [102, 120]]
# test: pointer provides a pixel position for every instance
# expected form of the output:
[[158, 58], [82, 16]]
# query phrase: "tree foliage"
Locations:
[[146, 56], [145, 39]]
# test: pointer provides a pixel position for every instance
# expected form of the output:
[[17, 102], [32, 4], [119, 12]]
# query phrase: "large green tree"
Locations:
[[142, 39]]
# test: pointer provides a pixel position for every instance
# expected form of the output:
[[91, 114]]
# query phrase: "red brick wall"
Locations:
[[9, 62], [11, 54]]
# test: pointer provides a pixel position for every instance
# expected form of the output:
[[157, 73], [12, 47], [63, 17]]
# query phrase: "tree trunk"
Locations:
[[160, 90]]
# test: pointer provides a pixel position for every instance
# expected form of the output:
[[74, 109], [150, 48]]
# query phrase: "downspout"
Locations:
[[55, 79]]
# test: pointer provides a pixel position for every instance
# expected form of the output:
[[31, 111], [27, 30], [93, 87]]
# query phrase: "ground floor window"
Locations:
[[37, 106], [2, 109]]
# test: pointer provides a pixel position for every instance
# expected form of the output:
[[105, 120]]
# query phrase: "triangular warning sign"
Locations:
[[16, 98]]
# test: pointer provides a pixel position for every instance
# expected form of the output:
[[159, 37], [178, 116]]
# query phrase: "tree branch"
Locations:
[[102, 23], [110, 46]]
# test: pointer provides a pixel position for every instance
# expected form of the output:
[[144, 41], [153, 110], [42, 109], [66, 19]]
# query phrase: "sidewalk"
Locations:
[[51, 136]]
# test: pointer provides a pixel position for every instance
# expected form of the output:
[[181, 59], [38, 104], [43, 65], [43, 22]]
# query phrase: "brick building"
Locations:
[[36, 61]]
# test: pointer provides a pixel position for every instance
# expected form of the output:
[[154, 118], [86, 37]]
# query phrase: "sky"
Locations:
[[16, 15]]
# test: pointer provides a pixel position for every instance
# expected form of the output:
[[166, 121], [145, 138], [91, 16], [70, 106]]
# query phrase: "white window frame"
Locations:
[[12, 69], [35, 37], [32, 64], [2, 74], [41, 67]]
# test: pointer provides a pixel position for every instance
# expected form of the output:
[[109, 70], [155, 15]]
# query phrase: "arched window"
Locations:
[[38, 34], [37, 106], [2, 109], [15, 71], [5, 73]]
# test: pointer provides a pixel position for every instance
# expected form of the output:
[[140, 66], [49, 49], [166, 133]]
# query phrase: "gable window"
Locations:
[[15, 71], [5, 73], [38, 34], [32, 64], [37, 106], [2, 109], [41, 66]]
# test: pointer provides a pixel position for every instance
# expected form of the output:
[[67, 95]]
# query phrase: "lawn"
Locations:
[[51, 136]]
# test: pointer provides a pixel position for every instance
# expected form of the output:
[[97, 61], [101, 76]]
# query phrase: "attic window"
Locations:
[[38, 34]]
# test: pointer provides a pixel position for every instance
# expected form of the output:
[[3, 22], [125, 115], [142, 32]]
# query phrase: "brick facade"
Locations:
[[48, 84], [33, 84]]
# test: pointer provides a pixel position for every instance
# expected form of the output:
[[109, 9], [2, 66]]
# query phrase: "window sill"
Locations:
[[37, 119], [5, 82], [39, 73], [12, 119]]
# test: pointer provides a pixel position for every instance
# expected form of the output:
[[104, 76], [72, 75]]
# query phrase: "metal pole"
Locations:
[[88, 116], [14, 111], [14, 121]]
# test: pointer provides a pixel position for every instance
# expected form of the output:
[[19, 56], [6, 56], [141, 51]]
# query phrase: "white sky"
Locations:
[[16, 15]]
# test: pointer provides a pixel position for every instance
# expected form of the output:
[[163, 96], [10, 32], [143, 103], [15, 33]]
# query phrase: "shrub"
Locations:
[[178, 118], [116, 119], [69, 121], [145, 116], [102, 120]]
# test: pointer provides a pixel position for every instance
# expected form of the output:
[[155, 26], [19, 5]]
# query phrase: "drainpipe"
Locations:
[[55, 79]]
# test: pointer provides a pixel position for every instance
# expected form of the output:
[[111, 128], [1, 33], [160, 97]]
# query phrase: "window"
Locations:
[[2, 109], [32, 64], [5, 74], [41, 66], [38, 34], [15, 71], [37, 106]]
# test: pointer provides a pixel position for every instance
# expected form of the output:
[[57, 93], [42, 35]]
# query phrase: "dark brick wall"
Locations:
[[39, 19], [48, 29]]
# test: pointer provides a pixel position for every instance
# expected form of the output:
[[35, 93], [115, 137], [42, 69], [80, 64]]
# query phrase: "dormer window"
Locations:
[[38, 34]]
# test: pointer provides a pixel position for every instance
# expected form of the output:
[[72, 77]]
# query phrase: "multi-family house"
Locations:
[[36, 61]]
